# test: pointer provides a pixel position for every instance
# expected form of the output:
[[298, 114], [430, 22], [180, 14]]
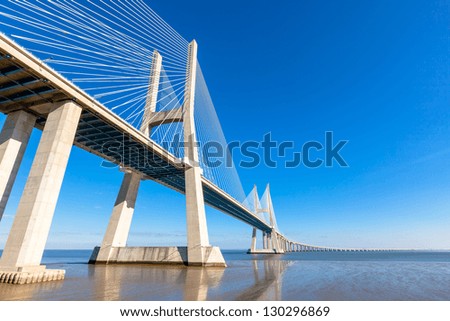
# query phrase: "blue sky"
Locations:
[[376, 73]]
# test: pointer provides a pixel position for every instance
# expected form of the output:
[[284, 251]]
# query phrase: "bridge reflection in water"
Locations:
[[248, 280], [262, 282]]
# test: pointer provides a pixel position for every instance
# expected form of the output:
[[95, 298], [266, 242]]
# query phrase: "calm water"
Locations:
[[294, 276]]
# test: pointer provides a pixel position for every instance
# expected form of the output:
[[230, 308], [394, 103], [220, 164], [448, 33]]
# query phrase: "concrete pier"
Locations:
[[120, 222], [253, 246], [13, 142], [20, 262], [198, 250]]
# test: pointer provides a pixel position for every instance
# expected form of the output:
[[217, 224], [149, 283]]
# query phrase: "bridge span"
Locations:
[[33, 95]]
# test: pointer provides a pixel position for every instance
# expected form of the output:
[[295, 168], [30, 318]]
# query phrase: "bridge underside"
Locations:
[[23, 88]]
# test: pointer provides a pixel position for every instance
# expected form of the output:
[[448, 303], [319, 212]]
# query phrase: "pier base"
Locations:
[[34, 275], [171, 255], [265, 251]]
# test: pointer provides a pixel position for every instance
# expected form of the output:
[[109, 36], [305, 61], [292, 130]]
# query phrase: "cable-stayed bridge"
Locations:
[[115, 80]]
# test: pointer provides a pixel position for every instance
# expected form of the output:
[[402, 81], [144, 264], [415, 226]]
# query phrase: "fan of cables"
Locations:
[[106, 48]]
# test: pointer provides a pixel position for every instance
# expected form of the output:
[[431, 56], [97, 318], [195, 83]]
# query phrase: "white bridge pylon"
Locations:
[[263, 208], [274, 242]]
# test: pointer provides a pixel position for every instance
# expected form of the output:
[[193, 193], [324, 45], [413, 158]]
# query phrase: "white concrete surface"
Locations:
[[13, 142], [26, 241]]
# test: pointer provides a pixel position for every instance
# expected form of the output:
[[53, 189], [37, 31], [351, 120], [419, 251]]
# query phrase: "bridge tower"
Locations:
[[198, 250], [270, 239], [118, 229]]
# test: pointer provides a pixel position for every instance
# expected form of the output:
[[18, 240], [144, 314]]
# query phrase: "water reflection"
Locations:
[[293, 276], [199, 280], [268, 276], [13, 292], [246, 280]]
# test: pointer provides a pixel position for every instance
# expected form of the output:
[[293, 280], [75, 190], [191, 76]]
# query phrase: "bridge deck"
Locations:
[[26, 83]]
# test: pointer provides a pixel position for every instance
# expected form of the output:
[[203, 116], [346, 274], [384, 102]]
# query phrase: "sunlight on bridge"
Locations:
[[121, 76], [107, 49]]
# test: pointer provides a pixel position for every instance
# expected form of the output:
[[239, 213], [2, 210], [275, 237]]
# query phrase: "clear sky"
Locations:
[[376, 73]]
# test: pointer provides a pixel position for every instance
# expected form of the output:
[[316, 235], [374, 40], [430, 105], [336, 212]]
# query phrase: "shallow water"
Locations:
[[293, 276]]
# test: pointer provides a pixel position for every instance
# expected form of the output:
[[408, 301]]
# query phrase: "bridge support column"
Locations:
[[120, 222], [199, 251], [276, 246], [13, 142], [253, 246], [269, 241], [20, 262]]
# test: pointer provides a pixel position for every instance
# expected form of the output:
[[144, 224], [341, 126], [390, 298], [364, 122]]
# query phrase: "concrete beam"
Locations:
[[166, 117]]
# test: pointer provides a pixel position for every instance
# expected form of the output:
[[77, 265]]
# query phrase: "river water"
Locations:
[[400, 275]]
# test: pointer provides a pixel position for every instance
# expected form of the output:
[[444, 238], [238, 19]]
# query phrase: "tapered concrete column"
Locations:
[[269, 241], [253, 247], [199, 250], [13, 142], [275, 242], [255, 205], [26, 241], [119, 225], [264, 240]]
